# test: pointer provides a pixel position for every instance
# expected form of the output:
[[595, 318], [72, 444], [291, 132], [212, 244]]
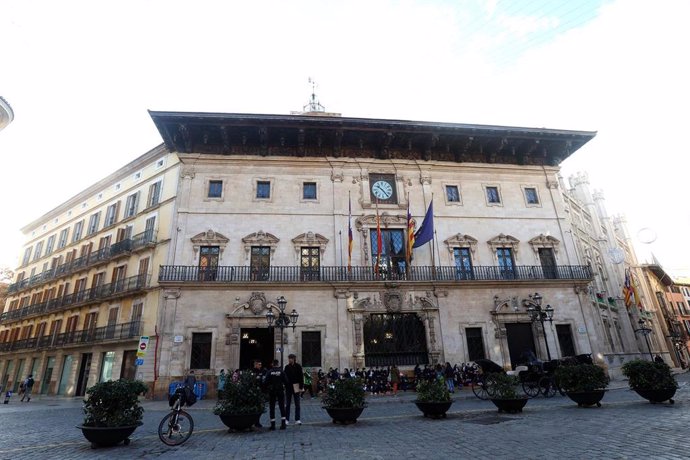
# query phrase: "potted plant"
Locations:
[[241, 403], [503, 390], [344, 400], [652, 381], [112, 412], [433, 398], [584, 383]]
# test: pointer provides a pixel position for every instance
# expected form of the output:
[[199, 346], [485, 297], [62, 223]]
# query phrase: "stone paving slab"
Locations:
[[391, 427]]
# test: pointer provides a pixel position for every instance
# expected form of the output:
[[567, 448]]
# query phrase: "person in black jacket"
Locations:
[[275, 384], [294, 387], [259, 374]]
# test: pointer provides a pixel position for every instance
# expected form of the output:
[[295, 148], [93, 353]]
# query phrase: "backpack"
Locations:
[[30, 383], [189, 397]]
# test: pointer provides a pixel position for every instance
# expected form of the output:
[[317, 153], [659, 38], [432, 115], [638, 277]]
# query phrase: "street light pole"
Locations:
[[536, 313], [282, 321], [645, 331]]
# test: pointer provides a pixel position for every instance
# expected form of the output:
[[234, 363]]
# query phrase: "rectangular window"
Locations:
[[154, 194], [463, 263], [260, 263], [131, 205], [475, 343], [38, 252], [201, 350], [311, 349], [309, 264], [215, 188], [93, 223], [78, 228], [263, 189], [452, 194], [27, 255], [111, 214], [506, 264], [492, 195], [107, 361], [565, 339], [62, 241], [50, 244], [391, 263], [309, 191], [208, 262], [531, 195]]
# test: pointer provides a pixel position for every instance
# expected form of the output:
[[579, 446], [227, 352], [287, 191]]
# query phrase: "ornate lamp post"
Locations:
[[645, 331], [282, 321], [536, 313]]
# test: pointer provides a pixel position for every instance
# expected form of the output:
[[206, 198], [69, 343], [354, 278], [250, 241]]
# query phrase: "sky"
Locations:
[[81, 75]]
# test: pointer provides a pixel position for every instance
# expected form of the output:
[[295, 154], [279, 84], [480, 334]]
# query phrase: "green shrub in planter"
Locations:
[[581, 378], [433, 391], [647, 375], [114, 403], [345, 394], [241, 396], [504, 386]]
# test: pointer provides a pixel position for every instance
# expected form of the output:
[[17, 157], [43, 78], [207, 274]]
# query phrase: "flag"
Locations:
[[410, 233], [627, 289], [426, 231], [349, 234], [379, 239]]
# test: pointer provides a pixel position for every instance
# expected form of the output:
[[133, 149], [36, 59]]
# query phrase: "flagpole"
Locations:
[[408, 247], [433, 258], [438, 251], [340, 237], [379, 241]]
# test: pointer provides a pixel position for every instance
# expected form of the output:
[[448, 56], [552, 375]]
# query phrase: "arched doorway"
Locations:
[[394, 338], [256, 343]]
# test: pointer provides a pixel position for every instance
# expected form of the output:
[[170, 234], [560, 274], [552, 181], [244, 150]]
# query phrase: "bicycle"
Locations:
[[178, 425]]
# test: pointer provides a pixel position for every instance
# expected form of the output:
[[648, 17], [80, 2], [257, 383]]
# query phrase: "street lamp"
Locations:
[[537, 313], [645, 331], [282, 321], [677, 340]]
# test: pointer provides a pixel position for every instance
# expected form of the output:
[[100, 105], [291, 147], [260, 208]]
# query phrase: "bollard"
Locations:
[[8, 395]]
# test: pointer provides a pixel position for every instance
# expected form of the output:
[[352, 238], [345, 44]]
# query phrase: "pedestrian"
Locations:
[[189, 387], [28, 387], [276, 382], [221, 380], [449, 375], [658, 359], [260, 376], [294, 387], [395, 379]]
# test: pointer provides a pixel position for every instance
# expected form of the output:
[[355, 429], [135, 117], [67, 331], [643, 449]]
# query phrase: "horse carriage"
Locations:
[[535, 377]]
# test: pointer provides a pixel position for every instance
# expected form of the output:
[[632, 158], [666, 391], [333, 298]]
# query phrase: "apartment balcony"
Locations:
[[111, 333], [110, 291], [180, 274], [118, 250]]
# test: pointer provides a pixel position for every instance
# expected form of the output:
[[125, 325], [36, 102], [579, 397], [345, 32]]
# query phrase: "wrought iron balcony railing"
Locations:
[[119, 288], [243, 274], [122, 331], [125, 246]]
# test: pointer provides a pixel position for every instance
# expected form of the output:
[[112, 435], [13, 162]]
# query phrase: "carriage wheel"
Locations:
[[479, 388], [490, 385], [531, 388], [548, 387]]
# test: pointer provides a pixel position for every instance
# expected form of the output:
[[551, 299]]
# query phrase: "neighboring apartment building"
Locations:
[[6, 113], [263, 212], [85, 289]]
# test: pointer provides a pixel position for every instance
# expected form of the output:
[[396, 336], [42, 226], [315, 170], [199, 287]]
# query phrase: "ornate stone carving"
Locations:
[[425, 178], [504, 241], [256, 305], [544, 241], [508, 303], [187, 172], [393, 301], [172, 294], [337, 176], [310, 239], [209, 238], [461, 241], [369, 221], [260, 238]]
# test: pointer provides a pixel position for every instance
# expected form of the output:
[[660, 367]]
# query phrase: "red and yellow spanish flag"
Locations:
[[410, 234]]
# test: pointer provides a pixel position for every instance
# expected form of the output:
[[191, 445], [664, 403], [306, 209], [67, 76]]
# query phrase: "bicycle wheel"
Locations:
[[531, 388], [479, 389], [548, 387], [175, 428]]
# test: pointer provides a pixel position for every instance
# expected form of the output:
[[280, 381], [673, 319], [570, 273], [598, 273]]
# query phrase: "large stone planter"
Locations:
[[345, 415], [587, 398], [107, 436], [240, 422], [434, 409], [657, 396], [510, 406]]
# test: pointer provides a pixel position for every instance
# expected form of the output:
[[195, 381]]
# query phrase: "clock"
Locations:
[[382, 190]]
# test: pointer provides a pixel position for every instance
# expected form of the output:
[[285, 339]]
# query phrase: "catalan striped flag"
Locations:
[[627, 289], [410, 233], [350, 240]]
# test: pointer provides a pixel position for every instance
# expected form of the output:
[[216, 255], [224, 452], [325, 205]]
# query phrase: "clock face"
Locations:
[[382, 190]]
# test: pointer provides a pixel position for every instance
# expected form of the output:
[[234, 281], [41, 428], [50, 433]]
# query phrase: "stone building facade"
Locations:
[[85, 288]]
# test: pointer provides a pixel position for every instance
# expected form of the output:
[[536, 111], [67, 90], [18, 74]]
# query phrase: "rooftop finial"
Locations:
[[313, 105]]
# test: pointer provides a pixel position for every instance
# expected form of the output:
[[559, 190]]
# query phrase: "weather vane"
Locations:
[[313, 105]]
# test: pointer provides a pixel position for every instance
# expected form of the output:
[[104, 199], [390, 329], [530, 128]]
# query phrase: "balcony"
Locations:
[[114, 332], [119, 249], [121, 288], [242, 274]]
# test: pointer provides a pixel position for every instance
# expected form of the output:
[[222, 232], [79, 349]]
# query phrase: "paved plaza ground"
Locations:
[[626, 426]]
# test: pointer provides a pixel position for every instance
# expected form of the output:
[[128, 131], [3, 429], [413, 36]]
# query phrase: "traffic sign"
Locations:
[[143, 345], [139, 362]]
